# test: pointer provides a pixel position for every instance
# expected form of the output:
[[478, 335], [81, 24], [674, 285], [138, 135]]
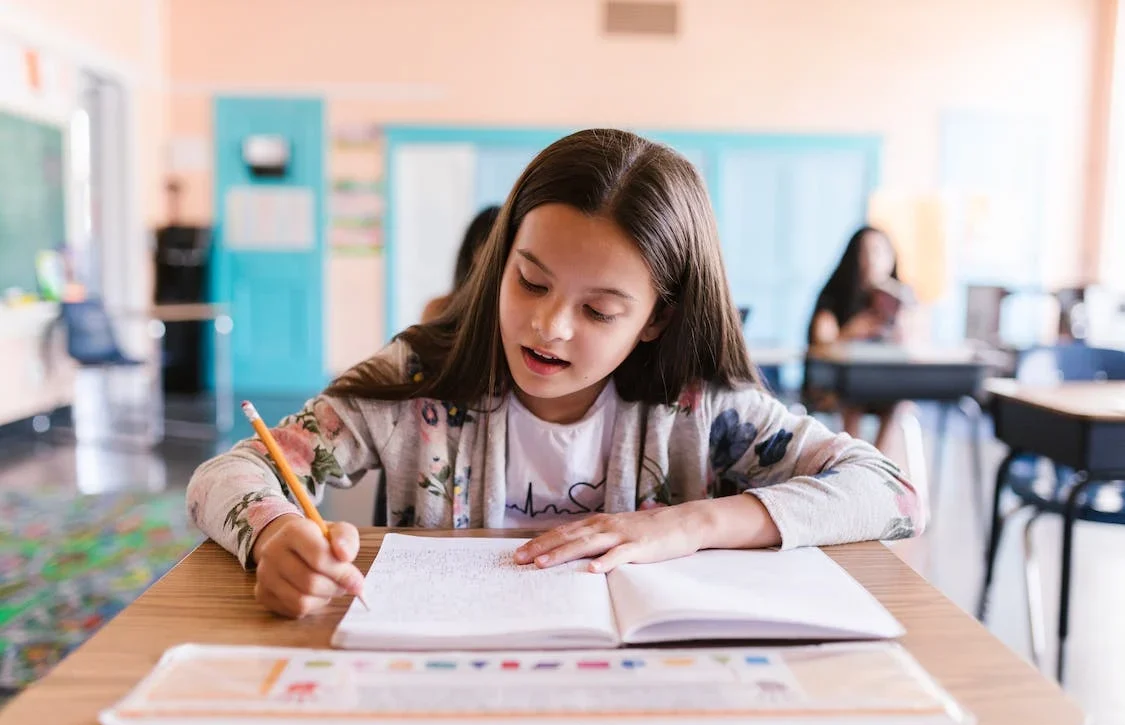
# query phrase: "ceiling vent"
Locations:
[[626, 17]]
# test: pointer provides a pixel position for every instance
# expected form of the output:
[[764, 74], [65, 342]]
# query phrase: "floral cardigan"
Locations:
[[444, 464]]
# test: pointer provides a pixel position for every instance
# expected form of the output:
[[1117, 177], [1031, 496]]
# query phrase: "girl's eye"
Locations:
[[533, 288], [598, 316]]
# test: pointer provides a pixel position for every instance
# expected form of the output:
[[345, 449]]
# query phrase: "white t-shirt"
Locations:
[[556, 472]]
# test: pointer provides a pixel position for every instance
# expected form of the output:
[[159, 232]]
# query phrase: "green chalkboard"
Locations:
[[32, 206]]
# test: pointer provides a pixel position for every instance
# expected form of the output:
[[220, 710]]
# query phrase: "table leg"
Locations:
[[1035, 619], [224, 375], [939, 449], [1070, 515], [971, 409], [994, 534]]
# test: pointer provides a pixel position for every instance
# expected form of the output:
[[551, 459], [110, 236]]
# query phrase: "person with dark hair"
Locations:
[[475, 236], [862, 302], [590, 380]]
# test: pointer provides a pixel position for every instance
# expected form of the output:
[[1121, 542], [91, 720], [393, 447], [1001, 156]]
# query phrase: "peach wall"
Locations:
[[113, 27], [874, 66]]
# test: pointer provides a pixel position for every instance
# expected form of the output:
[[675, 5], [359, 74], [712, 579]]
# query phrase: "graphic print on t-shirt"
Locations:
[[582, 498]]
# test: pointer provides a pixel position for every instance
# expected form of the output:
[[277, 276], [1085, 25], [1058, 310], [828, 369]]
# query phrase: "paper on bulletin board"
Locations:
[[270, 218], [358, 197]]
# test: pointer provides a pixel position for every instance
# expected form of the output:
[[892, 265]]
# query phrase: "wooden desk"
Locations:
[[187, 312], [207, 598], [1077, 424]]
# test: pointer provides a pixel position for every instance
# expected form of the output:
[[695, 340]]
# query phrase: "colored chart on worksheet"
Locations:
[[864, 682]]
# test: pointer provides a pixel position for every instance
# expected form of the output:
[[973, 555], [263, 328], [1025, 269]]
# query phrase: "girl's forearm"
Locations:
[[737, 522]]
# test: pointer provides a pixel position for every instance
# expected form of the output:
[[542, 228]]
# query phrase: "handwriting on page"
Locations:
[[434, 583]]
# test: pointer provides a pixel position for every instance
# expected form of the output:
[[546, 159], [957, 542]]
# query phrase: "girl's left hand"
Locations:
[[636, 537]]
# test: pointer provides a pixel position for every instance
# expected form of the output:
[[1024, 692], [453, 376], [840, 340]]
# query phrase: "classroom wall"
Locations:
[[882, 66], [868, 66]]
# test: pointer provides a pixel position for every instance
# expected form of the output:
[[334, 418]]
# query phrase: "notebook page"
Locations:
[[427, 591], [788, 594]]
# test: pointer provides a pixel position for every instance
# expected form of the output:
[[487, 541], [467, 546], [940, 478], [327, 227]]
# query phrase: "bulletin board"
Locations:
[[32, 197]]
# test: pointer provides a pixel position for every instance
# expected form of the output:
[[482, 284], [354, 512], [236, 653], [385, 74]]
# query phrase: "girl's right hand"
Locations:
[[299, 571]]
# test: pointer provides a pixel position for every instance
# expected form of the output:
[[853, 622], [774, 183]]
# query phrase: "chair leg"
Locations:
[[223, 376], [156, 396], [1069, 517], [1036, 622], [971, 409], [916, 462], [939, 449], [994, 533]]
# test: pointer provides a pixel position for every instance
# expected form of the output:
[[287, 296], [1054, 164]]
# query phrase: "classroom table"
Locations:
[[1076, 424], [867, 374], [207, 598], [157, 317]]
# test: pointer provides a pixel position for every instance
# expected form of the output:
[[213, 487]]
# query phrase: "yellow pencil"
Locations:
[[295, 485]]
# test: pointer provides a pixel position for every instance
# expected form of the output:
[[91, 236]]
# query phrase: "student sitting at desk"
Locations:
[[862, 302], [591, 377], [475, 236]]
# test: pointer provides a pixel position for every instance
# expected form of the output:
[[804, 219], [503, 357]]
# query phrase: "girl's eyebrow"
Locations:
[[596, 290]]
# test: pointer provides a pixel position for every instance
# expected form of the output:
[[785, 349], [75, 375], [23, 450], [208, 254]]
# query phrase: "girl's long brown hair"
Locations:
[[658, 199]]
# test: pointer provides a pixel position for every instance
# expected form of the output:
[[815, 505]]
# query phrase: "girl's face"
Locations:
[[575, 299], [876, 259]]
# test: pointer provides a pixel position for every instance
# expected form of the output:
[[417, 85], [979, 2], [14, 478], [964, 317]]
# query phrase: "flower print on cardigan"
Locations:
[[438, 481], [456, 415], [730, 439], [302, 440]]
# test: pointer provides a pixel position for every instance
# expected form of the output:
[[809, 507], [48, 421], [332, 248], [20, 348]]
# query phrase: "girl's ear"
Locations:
[[659, 320]]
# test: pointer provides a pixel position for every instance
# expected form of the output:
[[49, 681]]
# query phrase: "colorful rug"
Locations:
[[69, 563]]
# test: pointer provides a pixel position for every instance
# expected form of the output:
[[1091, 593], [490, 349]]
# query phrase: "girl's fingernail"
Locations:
[[595, 567], [543, 559]]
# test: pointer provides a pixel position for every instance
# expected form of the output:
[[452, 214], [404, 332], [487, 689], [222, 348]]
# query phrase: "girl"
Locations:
[[591, 377], [475, 236], [861, 302]]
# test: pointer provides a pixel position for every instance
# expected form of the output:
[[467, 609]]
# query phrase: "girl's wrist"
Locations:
[[734, 522]]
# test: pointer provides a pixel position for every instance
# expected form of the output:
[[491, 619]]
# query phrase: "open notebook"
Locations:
[[468, 593]]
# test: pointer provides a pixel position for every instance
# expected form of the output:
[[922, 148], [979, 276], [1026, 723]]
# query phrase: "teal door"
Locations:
[[498, 168], [269, 245], [786, 215]]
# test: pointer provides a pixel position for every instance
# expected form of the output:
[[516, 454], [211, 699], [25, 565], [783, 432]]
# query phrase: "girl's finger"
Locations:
[[308, 581], [579, 548], [565, 533], [282, 597], [626, 553], [345, 541], [551, 540]]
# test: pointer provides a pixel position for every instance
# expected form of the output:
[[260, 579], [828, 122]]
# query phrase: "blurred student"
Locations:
[[475, 236], [862, 302]]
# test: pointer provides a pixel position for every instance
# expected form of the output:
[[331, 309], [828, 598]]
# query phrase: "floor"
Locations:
[[949, 554]]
